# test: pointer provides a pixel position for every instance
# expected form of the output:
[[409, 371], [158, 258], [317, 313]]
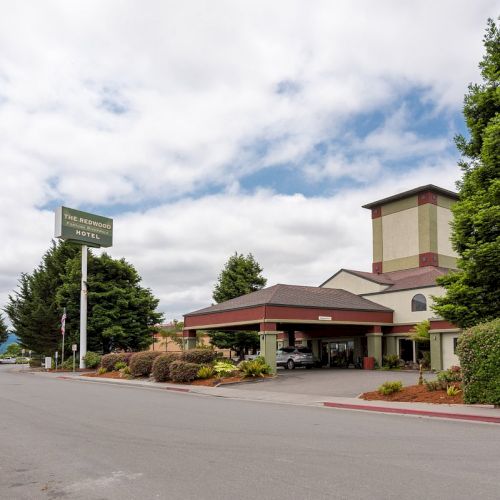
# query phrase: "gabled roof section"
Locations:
[[405, 279], [296, 296], [411, 192]]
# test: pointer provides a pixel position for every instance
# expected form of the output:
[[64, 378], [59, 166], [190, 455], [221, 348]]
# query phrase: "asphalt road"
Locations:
[[81, 440]]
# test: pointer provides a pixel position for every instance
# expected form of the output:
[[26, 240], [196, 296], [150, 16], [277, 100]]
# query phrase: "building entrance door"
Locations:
[[339, 354]]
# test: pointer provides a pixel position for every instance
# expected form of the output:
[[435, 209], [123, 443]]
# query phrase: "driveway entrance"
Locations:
[[335, 383]]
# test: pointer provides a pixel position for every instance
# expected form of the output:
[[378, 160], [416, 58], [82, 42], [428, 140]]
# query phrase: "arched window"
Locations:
[[419, 303]]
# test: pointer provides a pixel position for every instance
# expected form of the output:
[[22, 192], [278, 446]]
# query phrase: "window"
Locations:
[[419, 303]]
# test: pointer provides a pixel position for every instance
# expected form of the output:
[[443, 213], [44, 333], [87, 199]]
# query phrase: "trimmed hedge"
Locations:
[[92, 359], [141, 363], [182, 371], [109, 361], [161, 366], [479, 352], [199, 356]]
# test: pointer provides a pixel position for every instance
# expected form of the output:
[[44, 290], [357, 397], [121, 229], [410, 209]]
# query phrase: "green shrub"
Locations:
[[182, 371], [434, 385], [391, 361], [200, 356], [35, 363], [206, 371], [254, 368], [68, 363], [101, 370], [224, 368], [92, 360], [125, 372], [390, 387], [479, 353], [108, 361], [161, 366], [22, 361], [120, 365], [141, 363], [453, 374]]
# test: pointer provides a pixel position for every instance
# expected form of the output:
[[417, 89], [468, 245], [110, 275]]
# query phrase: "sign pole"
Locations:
[[83, 308]]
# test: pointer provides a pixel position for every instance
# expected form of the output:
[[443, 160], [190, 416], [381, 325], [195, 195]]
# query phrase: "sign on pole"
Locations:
[[73, 348], [87, 230], [82, 227]]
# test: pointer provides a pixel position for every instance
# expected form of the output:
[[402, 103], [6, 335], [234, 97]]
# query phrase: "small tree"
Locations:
[[13, 351], [241, 275], [420, 333], [4, 334], [173, 333], [239, 341]]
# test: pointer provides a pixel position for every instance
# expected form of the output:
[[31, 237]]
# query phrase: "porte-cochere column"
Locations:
[[374, 343], [268, 337]]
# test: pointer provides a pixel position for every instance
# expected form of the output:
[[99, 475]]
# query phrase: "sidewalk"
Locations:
[[475, 413]]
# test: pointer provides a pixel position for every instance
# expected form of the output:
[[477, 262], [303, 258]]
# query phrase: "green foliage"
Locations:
[[4, 334], [434, 385], [200, 356], [92, 359], [181, 371], [420, 332], [120, 365], [173, 333], [390, 387], [13, 351], [472, 292], [125, 372], [224, 368], [109, 360], [33, 309], [453, 374], [479, 353], [141, 363], [254, 368], [239, 341], [241, 275], [22, 361], [121, 313], [68, 364], [453, 390], [391, 361], [206, 371], [161, 366], [101, 370]]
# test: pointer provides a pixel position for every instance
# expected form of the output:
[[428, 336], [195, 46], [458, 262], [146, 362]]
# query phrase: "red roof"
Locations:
[[405, 279], [297, 296]]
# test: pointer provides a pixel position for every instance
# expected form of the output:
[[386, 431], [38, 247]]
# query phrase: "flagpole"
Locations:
[[63, 331]]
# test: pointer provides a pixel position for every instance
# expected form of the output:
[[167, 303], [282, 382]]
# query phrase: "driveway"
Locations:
[[332, 382]]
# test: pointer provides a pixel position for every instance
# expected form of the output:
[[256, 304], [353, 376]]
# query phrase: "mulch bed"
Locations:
[[415, 394], [210, 382]]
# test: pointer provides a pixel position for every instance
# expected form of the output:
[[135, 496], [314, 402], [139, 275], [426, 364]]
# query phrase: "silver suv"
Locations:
[[292, 356]]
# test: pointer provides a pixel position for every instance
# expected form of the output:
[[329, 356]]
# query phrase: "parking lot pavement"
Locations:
[[332, 382]]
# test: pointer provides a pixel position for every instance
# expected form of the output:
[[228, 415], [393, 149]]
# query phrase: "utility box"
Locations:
[[48, 362]]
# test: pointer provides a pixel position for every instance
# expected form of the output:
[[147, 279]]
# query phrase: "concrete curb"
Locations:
[[409, 411]]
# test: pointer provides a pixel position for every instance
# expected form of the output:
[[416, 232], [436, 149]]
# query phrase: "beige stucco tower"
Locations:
[[412, 229]]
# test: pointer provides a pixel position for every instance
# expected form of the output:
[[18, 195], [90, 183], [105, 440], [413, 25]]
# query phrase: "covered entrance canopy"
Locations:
[[303, 311]]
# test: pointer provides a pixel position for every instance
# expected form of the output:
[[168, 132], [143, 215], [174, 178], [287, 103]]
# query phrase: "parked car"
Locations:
[[250, 357], [8, 361], [292, 356]]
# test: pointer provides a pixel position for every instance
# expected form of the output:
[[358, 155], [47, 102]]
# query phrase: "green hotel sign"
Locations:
[[84, 228]]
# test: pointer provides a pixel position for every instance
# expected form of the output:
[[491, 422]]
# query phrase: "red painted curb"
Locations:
[[424, 413], [177, 389]]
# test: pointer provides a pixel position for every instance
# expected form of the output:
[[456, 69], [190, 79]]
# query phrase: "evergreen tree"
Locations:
[[32, 309], [121, 313], [472, 294], [241, 275], [4, 334]]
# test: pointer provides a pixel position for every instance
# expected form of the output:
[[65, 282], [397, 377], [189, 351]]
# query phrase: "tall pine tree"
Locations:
[[472, 294], [4, 334]]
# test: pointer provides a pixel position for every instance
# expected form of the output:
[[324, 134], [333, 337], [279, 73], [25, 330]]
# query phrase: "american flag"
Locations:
[[63, 322]]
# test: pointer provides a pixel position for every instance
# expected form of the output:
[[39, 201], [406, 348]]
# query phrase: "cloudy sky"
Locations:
[[209, 127]]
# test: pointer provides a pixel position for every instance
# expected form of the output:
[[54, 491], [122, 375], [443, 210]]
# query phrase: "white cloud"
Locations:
[[112, 103]]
